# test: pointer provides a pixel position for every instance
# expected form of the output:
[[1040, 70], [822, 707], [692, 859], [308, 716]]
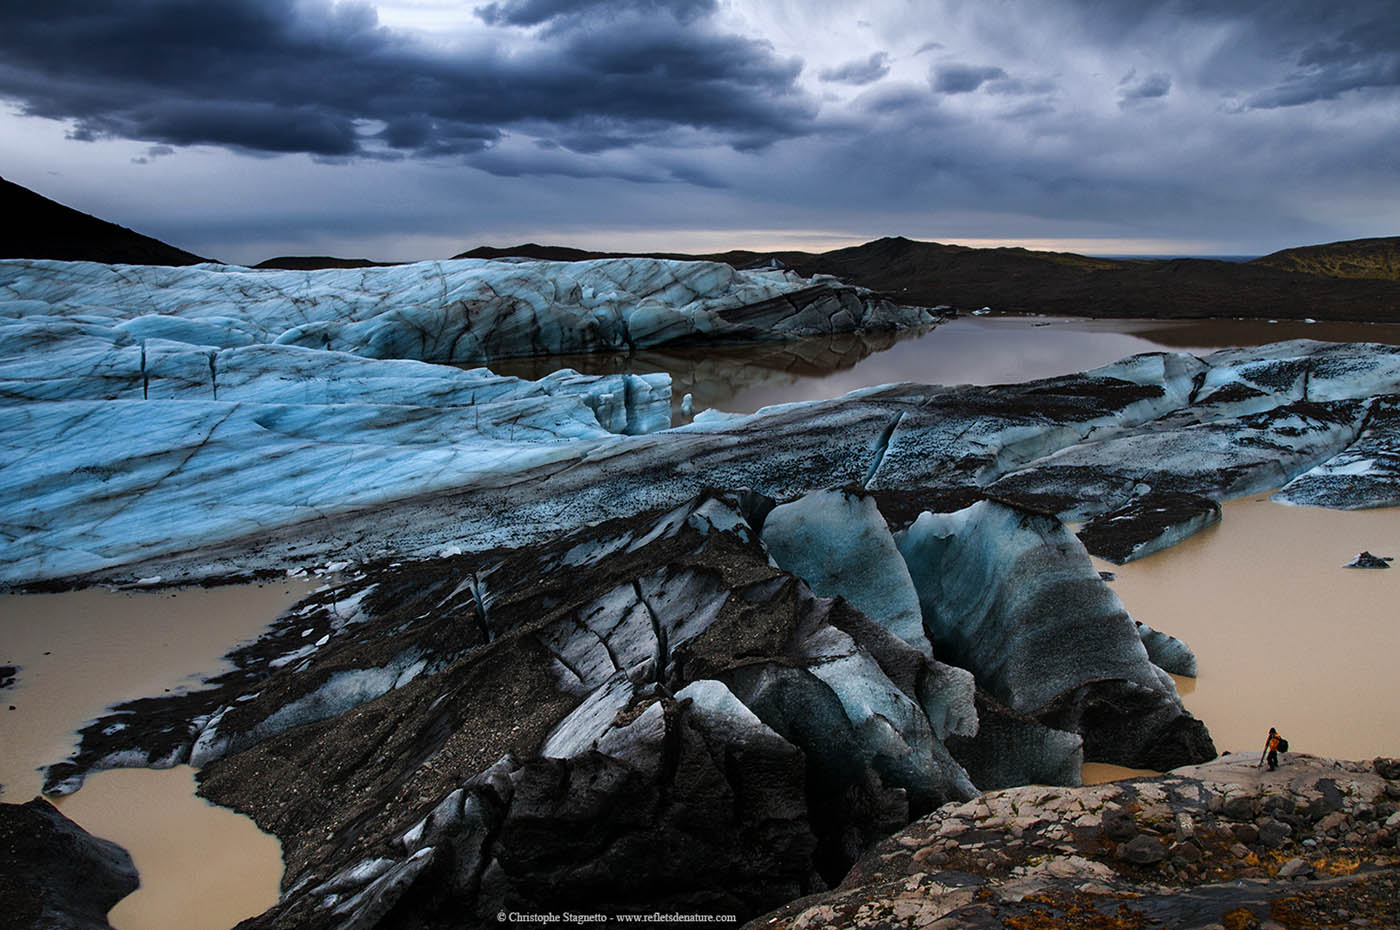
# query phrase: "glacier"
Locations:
[[134, 398], [293, 465], [460, 311], [575, 657], [181, 422]]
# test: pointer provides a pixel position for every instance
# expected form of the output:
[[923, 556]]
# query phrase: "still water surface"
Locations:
[[968, 350], [1261, 657]]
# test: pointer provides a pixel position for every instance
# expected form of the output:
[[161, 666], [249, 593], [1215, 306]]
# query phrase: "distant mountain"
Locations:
[[1356, 280], [1063, 283], [317, 262], [1356, 258], [1021, 281], [739, 258], [546, 253], [36, 227]]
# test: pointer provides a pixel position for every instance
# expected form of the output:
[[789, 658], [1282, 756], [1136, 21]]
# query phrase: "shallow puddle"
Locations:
[[1098, 773], [81, 651], [201, 866], [1284, 636]]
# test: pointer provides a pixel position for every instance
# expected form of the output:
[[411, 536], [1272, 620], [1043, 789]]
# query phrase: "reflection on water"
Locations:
[[726, 377], [968, 350]]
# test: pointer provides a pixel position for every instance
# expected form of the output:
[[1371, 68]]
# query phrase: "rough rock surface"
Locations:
[[54, 875], [644, 715], [1186, 849]]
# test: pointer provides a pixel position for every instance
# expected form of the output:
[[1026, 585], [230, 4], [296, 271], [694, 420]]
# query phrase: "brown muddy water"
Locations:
[[202, 867], [1283, 635]]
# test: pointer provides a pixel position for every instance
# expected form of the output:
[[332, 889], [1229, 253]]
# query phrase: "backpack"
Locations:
[[1282, 744]]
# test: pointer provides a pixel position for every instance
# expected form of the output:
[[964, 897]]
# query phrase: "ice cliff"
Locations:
[[461, 312]]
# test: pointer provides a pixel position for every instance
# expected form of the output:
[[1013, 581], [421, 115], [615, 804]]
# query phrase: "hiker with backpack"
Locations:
[[1274, 745]]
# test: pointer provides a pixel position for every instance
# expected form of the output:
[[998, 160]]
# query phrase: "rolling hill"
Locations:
[[1021, 281], [1355, 258]]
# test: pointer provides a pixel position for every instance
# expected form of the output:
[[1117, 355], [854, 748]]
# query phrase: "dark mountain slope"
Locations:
[[1022, 281], [315, 262], [36, 227]]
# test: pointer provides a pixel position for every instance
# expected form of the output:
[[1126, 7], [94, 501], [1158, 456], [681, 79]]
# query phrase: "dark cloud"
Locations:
[[536, 12], [861, 71], [427, 136], [1362, 57], [285, 76], [627, 114], [1020, 87], [895, 99], [962, 79], [1270, 53], [152, 153], [1134, 91]]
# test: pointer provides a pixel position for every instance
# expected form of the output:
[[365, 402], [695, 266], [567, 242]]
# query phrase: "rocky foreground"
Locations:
[[718, 706], [1221, 845]]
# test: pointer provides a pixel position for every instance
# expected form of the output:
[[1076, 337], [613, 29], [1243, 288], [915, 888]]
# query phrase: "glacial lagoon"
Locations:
[[1262, 661], [992, 349]]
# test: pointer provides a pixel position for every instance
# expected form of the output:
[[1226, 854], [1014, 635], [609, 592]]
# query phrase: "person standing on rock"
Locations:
[[1274, 745]]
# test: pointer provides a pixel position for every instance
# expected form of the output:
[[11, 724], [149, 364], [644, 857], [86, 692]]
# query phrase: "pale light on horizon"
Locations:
[[705, 241]]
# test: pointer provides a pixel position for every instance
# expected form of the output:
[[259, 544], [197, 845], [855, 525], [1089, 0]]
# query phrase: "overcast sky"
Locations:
[[242, 129]]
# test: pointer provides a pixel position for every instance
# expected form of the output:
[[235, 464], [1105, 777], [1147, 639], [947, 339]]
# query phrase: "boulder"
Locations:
[[56, 876], [1143, 850], [1366, 560]]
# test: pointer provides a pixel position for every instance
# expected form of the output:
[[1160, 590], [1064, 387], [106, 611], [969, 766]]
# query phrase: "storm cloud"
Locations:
[[858, 72], [1133, 90], [281, 76], [1240, 125], [535, 12], [963, 79]]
